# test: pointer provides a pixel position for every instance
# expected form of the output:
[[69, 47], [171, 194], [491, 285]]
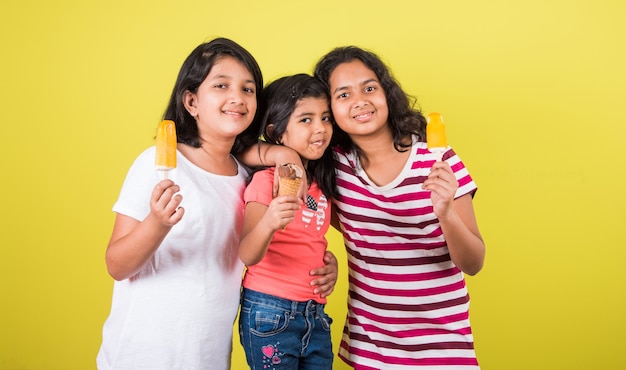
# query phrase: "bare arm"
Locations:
[[457, 219], [264, 154], [466, 246], [133, 242], [259, 224]]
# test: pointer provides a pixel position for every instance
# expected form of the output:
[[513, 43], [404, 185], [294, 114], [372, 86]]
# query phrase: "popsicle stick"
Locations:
[[164, 174], [438, 152]]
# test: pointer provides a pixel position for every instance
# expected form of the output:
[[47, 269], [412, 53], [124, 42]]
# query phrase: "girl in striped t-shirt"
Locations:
[[408, 224]]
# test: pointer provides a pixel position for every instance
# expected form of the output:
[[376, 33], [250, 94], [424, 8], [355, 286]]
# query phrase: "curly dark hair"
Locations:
[[404, 118]]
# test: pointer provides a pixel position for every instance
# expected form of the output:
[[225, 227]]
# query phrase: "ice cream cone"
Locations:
[[290, 178]]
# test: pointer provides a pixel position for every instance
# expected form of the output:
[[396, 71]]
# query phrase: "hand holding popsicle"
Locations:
[[436, 135], [165, 159], [165, 203]]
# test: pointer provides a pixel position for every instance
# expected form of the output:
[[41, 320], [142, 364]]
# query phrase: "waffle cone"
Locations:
[[290, 177], [289, 186]]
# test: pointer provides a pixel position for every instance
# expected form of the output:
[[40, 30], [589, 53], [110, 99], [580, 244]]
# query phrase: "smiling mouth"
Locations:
[[233, 113], [362, 116]]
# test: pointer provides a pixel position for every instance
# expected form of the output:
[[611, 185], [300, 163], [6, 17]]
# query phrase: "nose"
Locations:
[[360, 100], [236, 97], [319, 126]]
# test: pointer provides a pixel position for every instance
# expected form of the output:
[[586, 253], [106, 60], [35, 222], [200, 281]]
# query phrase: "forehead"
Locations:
[[350, 74], [312, 102], [230, 67]]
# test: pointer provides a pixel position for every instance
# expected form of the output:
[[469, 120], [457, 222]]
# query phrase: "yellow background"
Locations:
[[532, 92]]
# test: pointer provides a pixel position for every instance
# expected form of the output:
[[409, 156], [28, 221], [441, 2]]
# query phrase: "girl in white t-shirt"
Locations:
[[173, 249]]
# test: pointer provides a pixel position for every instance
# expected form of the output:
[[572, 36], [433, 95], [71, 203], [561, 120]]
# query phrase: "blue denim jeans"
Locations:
[[277, 333]]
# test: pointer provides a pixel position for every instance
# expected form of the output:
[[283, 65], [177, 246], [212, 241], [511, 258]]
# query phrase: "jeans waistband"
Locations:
[[269, 300]]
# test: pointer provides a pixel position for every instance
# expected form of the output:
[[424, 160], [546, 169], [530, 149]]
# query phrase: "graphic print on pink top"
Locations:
[[284, 270]]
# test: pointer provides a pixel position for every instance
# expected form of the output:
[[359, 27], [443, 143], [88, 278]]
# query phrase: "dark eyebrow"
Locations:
[[304, 114], [228, 77], [366, 82], [339, 89], [308, 114]]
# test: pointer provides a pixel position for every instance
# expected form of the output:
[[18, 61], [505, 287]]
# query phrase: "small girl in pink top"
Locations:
[[282, 322]]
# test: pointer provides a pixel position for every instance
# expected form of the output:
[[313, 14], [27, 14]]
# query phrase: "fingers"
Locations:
[[177, 216], [292, 200], [440, 178], [330, 259], [164, 191], [276, 184], [440, 170], [324, 285], [165, 202], [282, 210], [326, 278], [442, 184], [325, 290]]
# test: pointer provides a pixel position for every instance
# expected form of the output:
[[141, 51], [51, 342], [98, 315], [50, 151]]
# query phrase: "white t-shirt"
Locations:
[[178, 311]]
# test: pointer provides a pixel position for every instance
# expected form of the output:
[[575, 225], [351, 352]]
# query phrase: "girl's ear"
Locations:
[[189, 101], [269, 133]]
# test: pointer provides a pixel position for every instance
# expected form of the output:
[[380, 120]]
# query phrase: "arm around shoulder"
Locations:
[[265, 154]]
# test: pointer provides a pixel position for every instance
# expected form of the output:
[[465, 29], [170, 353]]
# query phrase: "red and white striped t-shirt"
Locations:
[[408, 303]]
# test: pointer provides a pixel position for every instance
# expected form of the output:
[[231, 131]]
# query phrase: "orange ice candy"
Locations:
[[165, 159], [436, 135]]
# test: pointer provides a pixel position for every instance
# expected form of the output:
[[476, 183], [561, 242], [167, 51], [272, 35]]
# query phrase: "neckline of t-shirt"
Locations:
[[181, 158], [398, 179]]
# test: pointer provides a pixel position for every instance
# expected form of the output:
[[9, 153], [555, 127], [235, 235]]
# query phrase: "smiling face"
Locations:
[[225, 102], [357, 99], [309, 128]]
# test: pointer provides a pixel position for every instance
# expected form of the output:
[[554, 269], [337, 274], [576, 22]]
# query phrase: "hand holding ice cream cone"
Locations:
[[290, 180]]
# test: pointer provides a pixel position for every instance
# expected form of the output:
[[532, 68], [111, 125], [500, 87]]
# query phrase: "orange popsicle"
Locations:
[[165, 159], [436, 135]]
